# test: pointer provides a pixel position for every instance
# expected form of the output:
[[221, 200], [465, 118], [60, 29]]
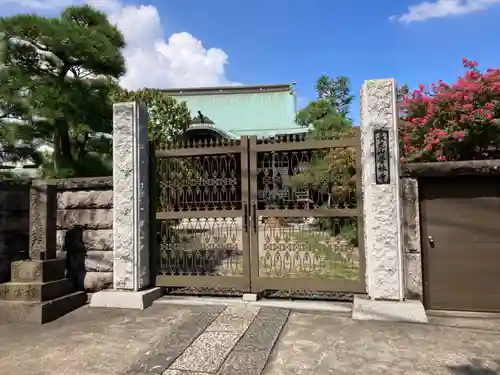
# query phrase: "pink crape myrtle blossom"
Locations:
[[458, 121]]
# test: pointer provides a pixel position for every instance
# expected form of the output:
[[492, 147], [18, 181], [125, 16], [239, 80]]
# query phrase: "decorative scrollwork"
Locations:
[[200, 183], [324, 248], [201, 247]]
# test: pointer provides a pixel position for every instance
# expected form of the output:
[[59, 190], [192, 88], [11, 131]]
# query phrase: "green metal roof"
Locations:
[[244, 110]]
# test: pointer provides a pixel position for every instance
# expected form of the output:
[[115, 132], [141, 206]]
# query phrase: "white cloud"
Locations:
[[152, 61], [38, 4], [443, 8]]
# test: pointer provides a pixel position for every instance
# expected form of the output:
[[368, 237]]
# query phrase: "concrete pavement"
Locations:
[[243, 340]]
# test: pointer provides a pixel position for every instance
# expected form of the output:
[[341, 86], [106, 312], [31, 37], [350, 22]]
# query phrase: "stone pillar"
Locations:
[[130, 196], [43, 221], [131, 259], [381, 199], [39, 290], [382, 208], [411, 243]]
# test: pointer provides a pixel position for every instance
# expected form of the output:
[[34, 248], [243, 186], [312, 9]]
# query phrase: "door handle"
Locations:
[[245, 217], [254, 216], [431, 241]]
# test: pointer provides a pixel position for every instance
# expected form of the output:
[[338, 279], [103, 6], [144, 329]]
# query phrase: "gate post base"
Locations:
[[409, 311], [250, 297], [124, 299]]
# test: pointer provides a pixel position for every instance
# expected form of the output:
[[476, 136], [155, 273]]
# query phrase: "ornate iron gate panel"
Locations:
[[306, 215], [202, 215], [279, 214]]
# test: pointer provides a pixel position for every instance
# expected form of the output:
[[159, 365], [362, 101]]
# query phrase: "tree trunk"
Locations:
[[57, 151], [65, 142], [62, 146]]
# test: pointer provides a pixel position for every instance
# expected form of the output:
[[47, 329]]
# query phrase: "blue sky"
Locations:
[[290, 40], [279, 41]]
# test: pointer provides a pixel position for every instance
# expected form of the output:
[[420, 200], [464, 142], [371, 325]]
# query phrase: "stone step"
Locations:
[[38, 270], [35, 291], [40, 312]]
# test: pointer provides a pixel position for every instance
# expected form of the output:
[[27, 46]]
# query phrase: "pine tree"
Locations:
[[55, 86]]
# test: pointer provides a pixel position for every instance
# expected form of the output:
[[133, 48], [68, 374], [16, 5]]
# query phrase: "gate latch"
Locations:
[[245, 217]]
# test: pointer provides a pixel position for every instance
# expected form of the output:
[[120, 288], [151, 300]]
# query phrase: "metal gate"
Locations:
[[260, 214], [201, 215]]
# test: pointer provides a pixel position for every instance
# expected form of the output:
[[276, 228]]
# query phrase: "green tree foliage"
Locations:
[[322, 117], [402, 92], [327, 117], [329, 112], [55, 86], [336, 91], [168, 119]]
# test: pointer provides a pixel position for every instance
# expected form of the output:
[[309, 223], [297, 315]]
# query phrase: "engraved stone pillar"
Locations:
[[130, 196], [131, 265], [43, 221], [382, 209], [381, 190]]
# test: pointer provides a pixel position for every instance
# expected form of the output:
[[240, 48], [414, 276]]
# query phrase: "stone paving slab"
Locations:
[[250, 354], [207, 353], [169, 348], [264, 331], [244, 363], [234, 319], [179, 372]]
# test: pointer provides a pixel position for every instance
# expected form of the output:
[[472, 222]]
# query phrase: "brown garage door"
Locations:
[[461, 243]]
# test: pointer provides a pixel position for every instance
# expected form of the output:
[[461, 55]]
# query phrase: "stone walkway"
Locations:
[[238, 341], [168, 339]]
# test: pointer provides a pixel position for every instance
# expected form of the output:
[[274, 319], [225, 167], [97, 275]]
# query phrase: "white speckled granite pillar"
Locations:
[[130, 197], [381, 202]]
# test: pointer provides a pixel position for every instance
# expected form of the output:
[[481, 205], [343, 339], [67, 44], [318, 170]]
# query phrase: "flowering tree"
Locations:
[[459, 121]]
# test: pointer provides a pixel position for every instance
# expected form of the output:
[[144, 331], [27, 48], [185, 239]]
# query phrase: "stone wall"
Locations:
[[14, 225], [87, 204], [411, 239]]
